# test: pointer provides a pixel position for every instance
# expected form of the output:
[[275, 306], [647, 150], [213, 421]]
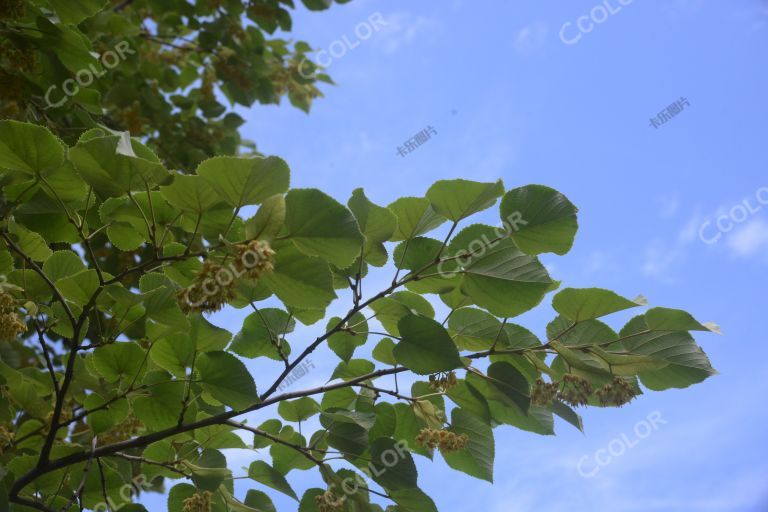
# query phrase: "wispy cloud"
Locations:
[[679, 8], [403, 29], [663, 258], [669, 205], [749, 240]]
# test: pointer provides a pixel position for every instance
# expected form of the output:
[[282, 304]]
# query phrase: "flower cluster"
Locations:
[[445, 440], [616, 393], [123, 431], [6, 438], [543, 393], [198, 502], [12, 9], [255, 258], [10, 323], [209, 292], [575, 391], [443, 381], [329, 502]]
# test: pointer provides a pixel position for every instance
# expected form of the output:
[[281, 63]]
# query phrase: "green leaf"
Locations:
[[226, 379], [320, 226], [477, 458], [268, 221], [470, 399], [206, 336], [384, 352], [475, 329], [261, 332], [242, 181], [259, 501], [104, 419], [190, 194], [178, 494], [588, 303], [80, 287], [263, 473], [174, 354], [511, 383], [353, 369], [568, 414], [426, 347], [458, 199], [162, 307], [298, 410], [234, 504], [29, 148], [587, 332], [209, 471], [389, 310], [120, 360], [688, 364], [503, 280], [415, 216], [162, 405], [392, 466], [344, 343], [377, 223], [30, 243], [65, 184], [539, 219], [665, 319], [413, 500], [113, 173], [349, 438], [299, 280], [72, 13], [286, 458]]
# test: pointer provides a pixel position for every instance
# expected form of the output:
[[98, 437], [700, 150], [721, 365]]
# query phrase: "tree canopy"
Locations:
[[121, 233], [156, 68]]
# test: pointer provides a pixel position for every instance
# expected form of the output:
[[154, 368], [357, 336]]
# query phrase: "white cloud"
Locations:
[[749, 240], [530, 39]]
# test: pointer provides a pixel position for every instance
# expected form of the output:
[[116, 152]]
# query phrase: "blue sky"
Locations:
[[510, 100]]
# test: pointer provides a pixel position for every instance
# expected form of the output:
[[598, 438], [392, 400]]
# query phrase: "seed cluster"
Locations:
[[10, 323], [329, 502], [443, 381], [616, 393], [544, 392], [575, 390], [198, 502], [445, 440], [209, 292], [255, 258]]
